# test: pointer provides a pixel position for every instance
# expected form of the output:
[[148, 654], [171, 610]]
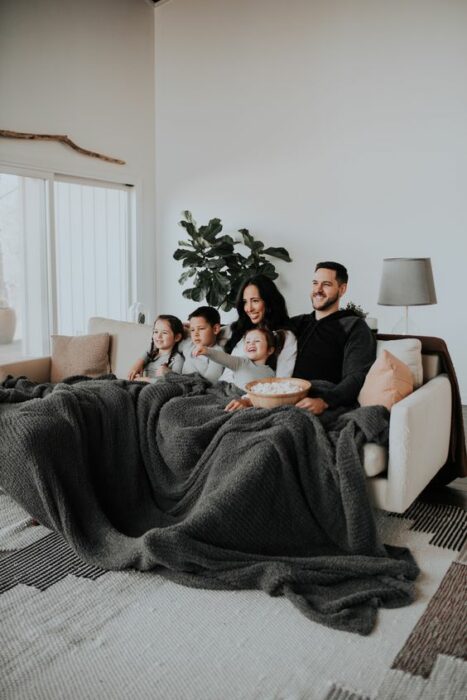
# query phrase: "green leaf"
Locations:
[[197, 294], [193, 260], [186, 275], [180, 253], [211, 230], [190, 228], [222, 281], [188, 216], [248, 239], [280, 253], [257, 245]]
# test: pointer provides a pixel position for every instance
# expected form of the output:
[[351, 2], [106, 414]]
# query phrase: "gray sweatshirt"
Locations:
[[239, 370], [151, 366], [202, 364]]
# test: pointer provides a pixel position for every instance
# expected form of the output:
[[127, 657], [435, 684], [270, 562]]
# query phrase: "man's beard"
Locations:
[[329, 302]]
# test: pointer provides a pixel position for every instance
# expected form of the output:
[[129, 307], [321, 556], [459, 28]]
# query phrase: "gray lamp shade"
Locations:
[[407, 282]]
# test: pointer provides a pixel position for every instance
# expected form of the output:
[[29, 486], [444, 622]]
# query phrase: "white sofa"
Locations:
[[419, 430]]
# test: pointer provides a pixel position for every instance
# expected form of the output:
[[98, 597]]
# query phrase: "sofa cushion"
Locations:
[[389, 380], [128, 341], [375, 459], [82, 354], [409, 351]]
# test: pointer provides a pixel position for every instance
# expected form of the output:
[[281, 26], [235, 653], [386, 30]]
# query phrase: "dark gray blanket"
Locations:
[[159, 476]]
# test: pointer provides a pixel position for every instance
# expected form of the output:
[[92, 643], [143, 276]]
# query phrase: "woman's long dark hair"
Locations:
[[177, 328], [275, 317]]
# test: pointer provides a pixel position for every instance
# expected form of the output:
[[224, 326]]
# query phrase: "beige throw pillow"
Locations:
[[409, 351], [81, 354], [389, 380]]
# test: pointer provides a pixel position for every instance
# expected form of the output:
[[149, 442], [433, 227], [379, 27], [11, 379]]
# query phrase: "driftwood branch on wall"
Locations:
[[62, 139]]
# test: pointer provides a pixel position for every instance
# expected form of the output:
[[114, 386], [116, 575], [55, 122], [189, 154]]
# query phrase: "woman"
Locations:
[[260, 303]]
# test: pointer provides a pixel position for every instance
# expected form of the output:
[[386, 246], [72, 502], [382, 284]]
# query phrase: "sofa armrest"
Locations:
[[37, 370], [419, 432]]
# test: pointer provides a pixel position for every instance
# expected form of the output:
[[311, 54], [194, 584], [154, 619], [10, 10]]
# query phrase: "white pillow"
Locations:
[[408, 350]]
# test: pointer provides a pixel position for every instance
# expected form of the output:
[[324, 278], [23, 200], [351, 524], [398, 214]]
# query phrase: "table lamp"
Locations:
[[406, 282]]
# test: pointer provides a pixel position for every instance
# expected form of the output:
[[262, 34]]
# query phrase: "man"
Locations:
[[333, 345]]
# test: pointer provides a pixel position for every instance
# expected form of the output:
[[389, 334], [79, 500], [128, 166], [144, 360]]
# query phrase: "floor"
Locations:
[[455, 493]]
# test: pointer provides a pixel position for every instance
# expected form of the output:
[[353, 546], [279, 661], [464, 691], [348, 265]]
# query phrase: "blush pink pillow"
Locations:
[[388, 381]]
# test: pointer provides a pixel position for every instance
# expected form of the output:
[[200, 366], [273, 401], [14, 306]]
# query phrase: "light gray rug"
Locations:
[[69, 630]]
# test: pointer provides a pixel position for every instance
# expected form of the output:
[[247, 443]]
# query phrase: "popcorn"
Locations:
[[272, 388]]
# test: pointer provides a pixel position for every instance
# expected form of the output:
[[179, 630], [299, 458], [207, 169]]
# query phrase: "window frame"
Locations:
[[48, 238]]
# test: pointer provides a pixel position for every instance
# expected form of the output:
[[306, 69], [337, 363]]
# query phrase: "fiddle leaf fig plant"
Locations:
[[216, 267]]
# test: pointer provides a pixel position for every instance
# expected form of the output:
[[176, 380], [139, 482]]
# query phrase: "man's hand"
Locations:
[[315, 406], [235, 404], [137, 369]]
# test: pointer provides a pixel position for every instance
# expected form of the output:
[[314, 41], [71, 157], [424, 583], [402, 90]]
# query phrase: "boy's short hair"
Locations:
[[209, 313]]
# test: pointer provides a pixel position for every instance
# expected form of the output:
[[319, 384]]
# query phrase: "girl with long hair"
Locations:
[[163, 355]]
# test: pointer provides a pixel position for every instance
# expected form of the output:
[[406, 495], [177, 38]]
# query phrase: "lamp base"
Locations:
[[405, 326]]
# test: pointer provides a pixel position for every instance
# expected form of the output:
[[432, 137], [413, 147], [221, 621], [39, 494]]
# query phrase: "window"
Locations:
[[66, 253], [91, 254]]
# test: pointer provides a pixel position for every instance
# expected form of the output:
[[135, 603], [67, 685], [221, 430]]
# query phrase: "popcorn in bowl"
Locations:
[[277, 391]]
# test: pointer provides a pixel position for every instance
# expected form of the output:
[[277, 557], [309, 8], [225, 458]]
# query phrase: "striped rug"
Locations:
[[69, 630]]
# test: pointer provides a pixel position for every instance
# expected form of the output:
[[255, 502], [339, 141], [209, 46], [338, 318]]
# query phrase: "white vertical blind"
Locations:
[[68, 254], [92, 244]]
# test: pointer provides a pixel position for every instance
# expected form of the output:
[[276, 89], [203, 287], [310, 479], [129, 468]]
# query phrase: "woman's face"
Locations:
[[253, 305]]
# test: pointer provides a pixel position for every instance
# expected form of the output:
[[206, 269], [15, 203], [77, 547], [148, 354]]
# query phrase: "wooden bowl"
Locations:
[[273, 400]]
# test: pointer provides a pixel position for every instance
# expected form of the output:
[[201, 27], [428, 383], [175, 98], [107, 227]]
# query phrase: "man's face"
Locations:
[[202, 333], [326, 291]]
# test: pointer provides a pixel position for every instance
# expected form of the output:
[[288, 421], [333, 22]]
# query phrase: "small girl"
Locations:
[[163, 355], [259, 345]]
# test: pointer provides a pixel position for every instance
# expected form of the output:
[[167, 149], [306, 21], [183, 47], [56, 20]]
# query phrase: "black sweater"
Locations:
[[339, 348]]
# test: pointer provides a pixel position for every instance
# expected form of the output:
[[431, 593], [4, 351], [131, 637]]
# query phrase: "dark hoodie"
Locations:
[[339, 348]]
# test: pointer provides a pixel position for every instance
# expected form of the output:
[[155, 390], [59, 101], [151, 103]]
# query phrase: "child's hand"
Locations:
[[137, 369], [199, 350], [140, 378], [163, 369], [236, 404]]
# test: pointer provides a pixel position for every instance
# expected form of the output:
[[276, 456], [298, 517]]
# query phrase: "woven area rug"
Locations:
[[69, 630]]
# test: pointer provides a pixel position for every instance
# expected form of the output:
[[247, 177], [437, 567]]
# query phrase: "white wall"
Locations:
[[84, 69], [335, 128]]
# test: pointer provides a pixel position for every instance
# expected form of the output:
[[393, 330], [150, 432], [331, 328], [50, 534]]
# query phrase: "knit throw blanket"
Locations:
[[159, 476]]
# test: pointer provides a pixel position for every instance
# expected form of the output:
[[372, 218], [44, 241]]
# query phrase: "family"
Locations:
[[330, 347]]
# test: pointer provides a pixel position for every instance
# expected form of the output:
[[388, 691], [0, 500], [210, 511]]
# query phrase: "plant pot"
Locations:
[[7, 324]]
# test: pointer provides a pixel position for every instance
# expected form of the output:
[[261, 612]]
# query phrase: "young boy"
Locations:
[[205, 325]]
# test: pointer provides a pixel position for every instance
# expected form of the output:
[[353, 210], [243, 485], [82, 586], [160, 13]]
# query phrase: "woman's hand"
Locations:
[[236, 404], [137, 369]]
